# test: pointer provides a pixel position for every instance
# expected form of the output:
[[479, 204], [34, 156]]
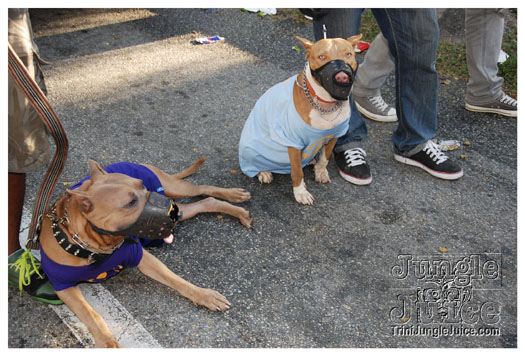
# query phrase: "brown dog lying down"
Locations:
[[90, 233]]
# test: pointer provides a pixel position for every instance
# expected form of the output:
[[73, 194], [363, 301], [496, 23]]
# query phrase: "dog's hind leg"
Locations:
[[175, 187], [212, 205]]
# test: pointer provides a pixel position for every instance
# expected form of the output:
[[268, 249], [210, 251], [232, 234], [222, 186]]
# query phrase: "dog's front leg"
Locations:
[[321, 173], [155, 269], [302, 196], [96, 325]]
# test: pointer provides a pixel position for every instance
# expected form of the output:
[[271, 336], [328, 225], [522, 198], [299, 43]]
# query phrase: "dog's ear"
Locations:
[[354, 39], [306, 44], [83, 199], [95, 169]]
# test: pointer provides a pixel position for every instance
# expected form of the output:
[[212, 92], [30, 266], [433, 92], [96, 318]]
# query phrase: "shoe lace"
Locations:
[[379, 102], [355, 156], [433, 150], [505, 99], [26, 265]]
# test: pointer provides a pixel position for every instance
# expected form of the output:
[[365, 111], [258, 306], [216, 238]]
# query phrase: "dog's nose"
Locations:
[[342, 77]]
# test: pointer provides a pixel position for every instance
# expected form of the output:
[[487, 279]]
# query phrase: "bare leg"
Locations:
[[17, 188]]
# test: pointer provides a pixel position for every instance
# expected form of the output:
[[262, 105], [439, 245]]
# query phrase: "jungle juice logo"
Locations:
[[446, 295]]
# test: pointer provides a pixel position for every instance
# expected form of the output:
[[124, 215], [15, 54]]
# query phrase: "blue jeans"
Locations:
[[412, 36]]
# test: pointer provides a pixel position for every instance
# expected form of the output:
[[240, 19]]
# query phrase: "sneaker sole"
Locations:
[[375, 117], [509, 113], [442, 175], [355, 180]]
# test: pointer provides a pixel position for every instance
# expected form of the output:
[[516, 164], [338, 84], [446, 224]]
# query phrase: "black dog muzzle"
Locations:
[[325, 75], [156, 221]]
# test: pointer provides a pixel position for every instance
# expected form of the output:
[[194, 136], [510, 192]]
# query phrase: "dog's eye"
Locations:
[[322, 57], [349, 54], [132, 203]]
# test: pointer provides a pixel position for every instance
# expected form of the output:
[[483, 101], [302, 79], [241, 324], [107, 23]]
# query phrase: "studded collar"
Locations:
[[74, 244]]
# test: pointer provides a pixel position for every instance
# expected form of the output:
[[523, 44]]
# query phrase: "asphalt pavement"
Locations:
[[408, 261]]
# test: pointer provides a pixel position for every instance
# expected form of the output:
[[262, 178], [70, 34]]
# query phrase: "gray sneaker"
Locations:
[[505, 105], [375, 108]]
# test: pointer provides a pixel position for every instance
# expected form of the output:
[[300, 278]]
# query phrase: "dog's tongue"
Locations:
[[169, 239]]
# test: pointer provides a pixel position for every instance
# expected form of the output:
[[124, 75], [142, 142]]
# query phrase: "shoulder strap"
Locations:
[[38, 99]]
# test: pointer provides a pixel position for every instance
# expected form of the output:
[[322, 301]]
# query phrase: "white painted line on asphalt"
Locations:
[[129, 332]]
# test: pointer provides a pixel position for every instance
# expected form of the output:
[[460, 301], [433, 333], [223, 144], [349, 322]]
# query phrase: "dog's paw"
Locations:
[[108, 341], [210, 299], [246, 218], [302, 196], [265, 177], [321, 175], [237, 195]]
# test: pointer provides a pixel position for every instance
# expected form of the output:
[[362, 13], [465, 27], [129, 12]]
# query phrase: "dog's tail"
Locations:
[[191, 169]]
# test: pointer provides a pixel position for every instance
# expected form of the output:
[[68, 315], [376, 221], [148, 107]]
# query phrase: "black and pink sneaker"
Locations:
[[353, 167], [432, 159]]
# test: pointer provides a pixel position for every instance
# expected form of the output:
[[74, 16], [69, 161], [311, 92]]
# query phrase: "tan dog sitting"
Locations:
[[89, 233], [301, 116]]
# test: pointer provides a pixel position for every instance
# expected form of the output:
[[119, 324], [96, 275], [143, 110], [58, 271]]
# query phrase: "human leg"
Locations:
[[375, 69], [413, 35], [372, 74], [484, 34], [339, 23], [28, 151], [349, 155], [15, 197]]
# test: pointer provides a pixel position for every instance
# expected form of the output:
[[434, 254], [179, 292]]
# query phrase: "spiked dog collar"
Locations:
[[75, 245]]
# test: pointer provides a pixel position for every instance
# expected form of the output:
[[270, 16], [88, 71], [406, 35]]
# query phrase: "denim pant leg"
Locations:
[[344, 23], [484, 34], [357, 130], [413, 36], [340, 23]]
